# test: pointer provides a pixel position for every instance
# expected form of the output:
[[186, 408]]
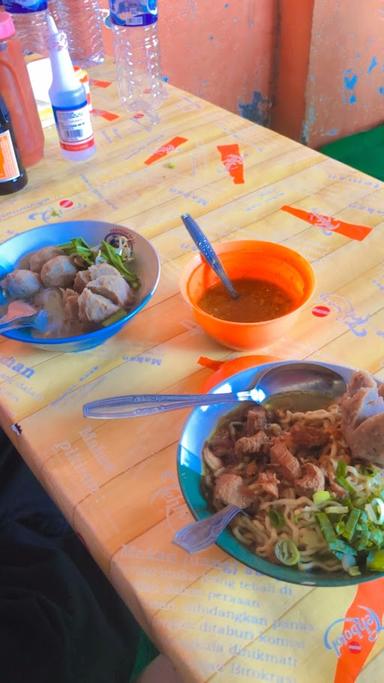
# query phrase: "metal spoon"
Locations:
[[21, 314], [300, 377], [207, 251]]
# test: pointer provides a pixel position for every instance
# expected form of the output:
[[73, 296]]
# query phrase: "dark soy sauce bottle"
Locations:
[[13, 176]]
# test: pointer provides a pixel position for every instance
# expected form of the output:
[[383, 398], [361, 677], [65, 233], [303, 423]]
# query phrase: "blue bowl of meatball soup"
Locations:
[[94, 294]]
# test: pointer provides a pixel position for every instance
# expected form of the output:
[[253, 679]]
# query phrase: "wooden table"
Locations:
[[116, 482]]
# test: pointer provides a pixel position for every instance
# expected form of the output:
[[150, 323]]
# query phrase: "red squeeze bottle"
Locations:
[[16, 89]]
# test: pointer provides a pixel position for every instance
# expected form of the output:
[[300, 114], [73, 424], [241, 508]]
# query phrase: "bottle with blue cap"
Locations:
[[30, 20], [69, 100], [137, 56]]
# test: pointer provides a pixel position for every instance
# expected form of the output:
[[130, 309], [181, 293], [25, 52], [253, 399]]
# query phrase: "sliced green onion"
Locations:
[[326, 527], [351, 524], [287, 552], [320, 497], [346, 485], [375, 511], [341, 469], [354, 571], [276, 518], [336, 510], [375, 561]]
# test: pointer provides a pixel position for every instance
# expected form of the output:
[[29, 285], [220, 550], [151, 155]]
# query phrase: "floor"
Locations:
[[364, 151]]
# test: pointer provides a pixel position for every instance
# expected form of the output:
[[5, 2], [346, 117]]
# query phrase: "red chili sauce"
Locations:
[[258, 300]]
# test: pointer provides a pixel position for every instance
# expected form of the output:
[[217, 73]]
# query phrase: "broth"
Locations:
[[259, 300]]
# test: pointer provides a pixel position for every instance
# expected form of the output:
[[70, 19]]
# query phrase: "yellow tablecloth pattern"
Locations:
[[116, 482]]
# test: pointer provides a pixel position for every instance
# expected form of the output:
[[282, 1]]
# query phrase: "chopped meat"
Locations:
[[100, 269], [58, 272], [250, 469], [211, 459], [364, 403], [221, 443], [251, 444], [304, 435], [268, 483], [21, 284], [230, 489], [95, 308], [39, 258], [256, 419], [381, 389], [288, 465], [81, 280], [71, 304], [360, 380], [115, 288], [312, 480], [362, 410], [328, 469], [287, 492], [367, 440]]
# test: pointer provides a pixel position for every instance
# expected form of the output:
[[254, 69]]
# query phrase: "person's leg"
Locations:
[[60, 619]]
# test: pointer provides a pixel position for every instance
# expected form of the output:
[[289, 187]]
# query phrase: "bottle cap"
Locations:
[[7, 27]]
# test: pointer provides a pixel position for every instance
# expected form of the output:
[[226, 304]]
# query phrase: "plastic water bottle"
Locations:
[[137, 57], [30, 20], [81, 21], [69, 100]]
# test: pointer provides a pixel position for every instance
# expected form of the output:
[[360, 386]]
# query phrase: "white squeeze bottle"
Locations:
[[69, 100]]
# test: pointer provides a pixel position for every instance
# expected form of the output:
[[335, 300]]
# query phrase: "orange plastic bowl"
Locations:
[[249, 259]]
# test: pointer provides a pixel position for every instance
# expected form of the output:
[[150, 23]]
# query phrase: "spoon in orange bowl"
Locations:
[[207, 251]]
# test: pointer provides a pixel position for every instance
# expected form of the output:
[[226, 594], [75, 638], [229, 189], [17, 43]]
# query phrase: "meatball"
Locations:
[[39, 258], [58, 272], [21, 284]]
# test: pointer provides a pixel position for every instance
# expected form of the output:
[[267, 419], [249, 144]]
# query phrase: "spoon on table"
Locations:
[[21, 314], [207, 251], [287, 376]]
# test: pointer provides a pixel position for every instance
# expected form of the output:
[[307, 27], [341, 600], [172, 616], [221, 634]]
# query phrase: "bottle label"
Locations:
[[133, 12], [74, 127], [24, 6], [9, 168]]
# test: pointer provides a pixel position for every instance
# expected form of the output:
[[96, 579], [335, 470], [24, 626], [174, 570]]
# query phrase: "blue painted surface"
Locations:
[[350, 82], [350, 79], [381, 90], [372, 65], [258, 110]]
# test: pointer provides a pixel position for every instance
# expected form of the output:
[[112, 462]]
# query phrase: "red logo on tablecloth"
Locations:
[[321, 311], [354, 647], [66, 203]]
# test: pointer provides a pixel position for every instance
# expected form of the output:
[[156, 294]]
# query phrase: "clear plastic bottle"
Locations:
[[81, 21], [16, 89], [137, 56], [30, 19]]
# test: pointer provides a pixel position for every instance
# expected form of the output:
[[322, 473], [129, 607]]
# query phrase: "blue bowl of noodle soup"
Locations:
[[192, 472]]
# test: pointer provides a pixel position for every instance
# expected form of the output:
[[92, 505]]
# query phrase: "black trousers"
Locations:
[[60, 619]]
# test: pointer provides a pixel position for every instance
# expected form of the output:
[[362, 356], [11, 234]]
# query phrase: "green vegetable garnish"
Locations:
[[287, 552], [114, 317], [79, 247], [109, 253], [326, 527], [321, 497], [351, 524], [276, 518], [375, 561]]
